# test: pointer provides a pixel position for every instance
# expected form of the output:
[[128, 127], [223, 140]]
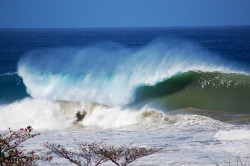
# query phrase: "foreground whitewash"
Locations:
[[194, 141]]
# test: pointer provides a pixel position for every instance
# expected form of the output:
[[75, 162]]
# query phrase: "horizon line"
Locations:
[[123, 27]]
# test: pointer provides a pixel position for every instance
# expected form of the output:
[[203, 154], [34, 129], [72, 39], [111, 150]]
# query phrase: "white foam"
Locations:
[[40, 114], [111, 117], [144, 118], [234, 134]]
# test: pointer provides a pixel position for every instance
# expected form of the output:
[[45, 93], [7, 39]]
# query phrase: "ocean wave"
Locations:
[[109, 73]]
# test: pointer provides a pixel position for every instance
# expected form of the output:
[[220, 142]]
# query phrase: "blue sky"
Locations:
[[122, 13]]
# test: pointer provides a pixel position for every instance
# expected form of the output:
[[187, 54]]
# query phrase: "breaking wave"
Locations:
[[110, 86], [109, 73]]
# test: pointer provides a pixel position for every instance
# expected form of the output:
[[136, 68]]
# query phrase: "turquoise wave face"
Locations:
[[211, 91]]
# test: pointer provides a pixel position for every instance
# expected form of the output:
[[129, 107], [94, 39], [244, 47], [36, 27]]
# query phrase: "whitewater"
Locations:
[[171, 92]]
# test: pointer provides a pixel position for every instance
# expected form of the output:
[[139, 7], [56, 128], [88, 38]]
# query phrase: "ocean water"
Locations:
[[186, 87]]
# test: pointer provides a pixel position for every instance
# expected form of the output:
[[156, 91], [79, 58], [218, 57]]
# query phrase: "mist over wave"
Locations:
[[109, 73]]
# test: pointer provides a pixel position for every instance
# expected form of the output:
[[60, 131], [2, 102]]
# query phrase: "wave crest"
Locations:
[[109, 73]]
